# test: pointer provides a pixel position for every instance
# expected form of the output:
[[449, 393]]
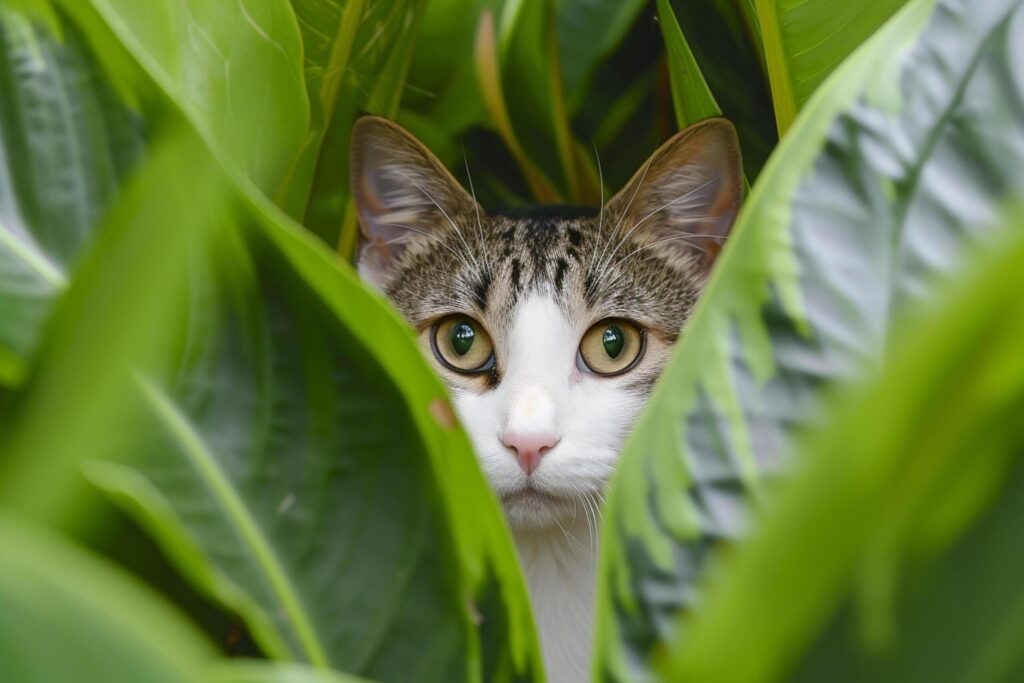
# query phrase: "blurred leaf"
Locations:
[[531, 78], [489, 75], [67, 616], [66, 141], [691, 97], [302, 411], [804, 40], [234, 68], [115, 313], [241, 671], [254, 452], [588, 31], [902, 527], [895, 166]]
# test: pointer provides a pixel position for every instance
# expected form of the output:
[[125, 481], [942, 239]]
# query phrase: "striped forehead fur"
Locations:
[[585, 263]]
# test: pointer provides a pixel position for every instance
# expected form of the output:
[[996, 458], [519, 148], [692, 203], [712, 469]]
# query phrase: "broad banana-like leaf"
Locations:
[[65, 615], [893, 555], [884, 180], [804, 40], [234, 68], [66, 140]]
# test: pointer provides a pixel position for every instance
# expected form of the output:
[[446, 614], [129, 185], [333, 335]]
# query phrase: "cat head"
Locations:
[[549, 328]]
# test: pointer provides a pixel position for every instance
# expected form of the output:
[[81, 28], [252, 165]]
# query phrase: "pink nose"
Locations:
[[529, 448]]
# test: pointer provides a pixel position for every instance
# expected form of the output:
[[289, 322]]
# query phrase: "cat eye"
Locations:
[[612, 347], [461, 344]]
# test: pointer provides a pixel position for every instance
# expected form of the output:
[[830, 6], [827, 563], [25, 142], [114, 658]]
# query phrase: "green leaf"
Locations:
[[804, 40], [114, 315], [894, 166], [298, 460], [234, 68], [531, 79], [66, 141], [588, 31], [241, 671], [726, 45], [356, 57], [303, 413], [900, 561], [691, 98], [67, 616]]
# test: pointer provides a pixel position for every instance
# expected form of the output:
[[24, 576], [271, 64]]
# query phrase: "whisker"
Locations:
[[448, 218], [459, 257], [476, 206], [655, 212], [600, 215], [625, 211]]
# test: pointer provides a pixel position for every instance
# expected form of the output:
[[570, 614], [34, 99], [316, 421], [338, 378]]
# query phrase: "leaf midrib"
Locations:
[[239, 515]]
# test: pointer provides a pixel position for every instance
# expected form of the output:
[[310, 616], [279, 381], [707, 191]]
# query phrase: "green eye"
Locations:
[[612, 347], [613, 341], [461, 338], [462, 344]]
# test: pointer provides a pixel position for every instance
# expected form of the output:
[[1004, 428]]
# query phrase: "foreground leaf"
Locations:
[[839, 236], [103, 624], [66, 141], [267, 672], [892, 556]]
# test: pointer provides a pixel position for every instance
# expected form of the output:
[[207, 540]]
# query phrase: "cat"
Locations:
[[550, 329]]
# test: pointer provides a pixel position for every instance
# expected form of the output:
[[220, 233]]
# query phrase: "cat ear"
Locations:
[[687, 195], [404, 196]]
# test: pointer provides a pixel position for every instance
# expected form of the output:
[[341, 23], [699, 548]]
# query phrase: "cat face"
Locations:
[[550, 328]]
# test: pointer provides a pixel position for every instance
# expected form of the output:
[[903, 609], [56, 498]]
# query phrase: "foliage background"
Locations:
[[215, 445]]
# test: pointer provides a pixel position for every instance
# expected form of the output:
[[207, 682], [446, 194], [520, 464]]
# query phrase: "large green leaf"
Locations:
[[309, 478], [66, 140], [804, 40], [67, 616], [893, 555], [299, 460], [887, 175], [234, 68]]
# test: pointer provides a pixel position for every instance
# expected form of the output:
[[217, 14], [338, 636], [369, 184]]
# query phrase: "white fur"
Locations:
[[553, 511]]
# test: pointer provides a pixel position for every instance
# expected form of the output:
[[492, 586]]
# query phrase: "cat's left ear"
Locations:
[[405, 198], [691, 186]]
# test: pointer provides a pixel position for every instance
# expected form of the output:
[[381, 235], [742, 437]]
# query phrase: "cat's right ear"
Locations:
[[404, 197]]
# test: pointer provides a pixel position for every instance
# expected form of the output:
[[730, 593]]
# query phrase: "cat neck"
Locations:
[[560, 568]]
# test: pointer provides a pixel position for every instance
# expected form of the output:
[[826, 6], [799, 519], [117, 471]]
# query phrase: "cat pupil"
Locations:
[[613, 341], [462, 338]]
